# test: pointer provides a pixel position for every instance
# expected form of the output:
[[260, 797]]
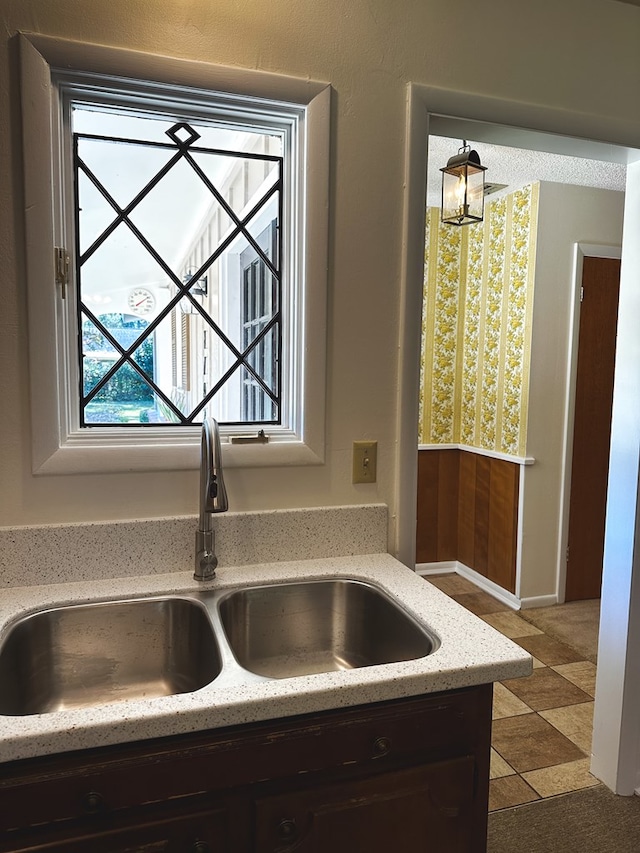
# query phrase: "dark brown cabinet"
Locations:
[[193, 832], [421, 809], [409, 775]]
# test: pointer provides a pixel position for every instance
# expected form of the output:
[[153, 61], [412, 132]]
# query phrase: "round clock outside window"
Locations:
[[141, 301]]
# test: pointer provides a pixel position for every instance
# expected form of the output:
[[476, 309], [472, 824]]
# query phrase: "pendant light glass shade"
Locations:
[[463, 188]]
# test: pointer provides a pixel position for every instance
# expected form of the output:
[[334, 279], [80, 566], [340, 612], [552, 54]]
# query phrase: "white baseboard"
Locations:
[[443, 568], [492, 588], [538, 601], [479, 580]]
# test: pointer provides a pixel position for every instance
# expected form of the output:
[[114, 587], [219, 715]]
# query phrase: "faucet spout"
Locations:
[[213, 498]]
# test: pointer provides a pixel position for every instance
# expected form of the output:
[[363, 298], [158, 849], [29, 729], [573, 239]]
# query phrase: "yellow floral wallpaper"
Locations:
[[476, 326]]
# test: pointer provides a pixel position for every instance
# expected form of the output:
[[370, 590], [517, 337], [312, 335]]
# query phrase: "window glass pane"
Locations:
[[104, 120], [123, 170], [185, 239], [98, 355], [97, 213], [124, 272], [171, 212], [122, 400]]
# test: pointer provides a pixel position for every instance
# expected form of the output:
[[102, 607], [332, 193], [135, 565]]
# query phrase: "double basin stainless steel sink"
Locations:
[[80, 656]]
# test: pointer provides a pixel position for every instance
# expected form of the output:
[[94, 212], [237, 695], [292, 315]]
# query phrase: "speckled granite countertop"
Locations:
[[470, 652]]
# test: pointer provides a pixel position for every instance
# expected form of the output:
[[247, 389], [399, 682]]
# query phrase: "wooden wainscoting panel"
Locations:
[[448, 477], [427, 527], [483, 498], [503, 523], [467, 509], [437, 528]]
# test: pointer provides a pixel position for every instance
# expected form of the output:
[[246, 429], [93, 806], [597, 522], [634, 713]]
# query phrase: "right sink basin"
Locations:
[[292, 629]]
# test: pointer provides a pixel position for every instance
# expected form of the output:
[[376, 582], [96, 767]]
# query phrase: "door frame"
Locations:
[[620, 768], [569, 133], [580, 252]]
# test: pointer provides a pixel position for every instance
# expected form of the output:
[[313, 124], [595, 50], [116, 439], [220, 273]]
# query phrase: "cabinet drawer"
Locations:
[[204, 831], [405, 731], [107, 781]]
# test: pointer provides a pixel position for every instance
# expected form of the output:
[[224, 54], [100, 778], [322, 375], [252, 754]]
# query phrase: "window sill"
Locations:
[[133, 453]]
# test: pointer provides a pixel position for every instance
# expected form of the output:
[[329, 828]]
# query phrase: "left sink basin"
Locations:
[[80, 656]]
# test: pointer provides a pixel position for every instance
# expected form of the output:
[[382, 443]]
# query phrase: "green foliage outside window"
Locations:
[[126, 386]]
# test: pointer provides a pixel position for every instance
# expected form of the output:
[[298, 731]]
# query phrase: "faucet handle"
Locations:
[[206, 560]]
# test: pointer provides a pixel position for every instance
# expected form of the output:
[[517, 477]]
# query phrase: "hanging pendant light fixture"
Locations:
[[463, 188]]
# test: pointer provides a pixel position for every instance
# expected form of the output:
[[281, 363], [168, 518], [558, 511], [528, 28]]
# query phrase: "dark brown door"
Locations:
[[592, 427]]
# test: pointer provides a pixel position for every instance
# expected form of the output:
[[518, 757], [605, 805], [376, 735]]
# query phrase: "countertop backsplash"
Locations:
[[62, 553]]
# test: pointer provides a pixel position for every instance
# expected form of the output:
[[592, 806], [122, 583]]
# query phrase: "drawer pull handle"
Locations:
[[93, 802], [287, 830], [381, 746], [200, 847]]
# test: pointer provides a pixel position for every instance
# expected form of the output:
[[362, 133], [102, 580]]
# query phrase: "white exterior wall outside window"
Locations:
[[247, 181]]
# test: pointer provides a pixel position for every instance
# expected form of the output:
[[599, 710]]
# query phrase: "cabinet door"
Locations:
[[200, 832], [424, 809]]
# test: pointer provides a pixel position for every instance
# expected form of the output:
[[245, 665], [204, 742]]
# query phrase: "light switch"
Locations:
[[365, 458]]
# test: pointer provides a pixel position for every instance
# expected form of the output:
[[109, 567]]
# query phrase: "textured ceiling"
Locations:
[[517, 167]]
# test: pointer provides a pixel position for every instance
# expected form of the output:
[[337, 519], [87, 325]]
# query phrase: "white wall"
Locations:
[[368, 50], [567, 215]]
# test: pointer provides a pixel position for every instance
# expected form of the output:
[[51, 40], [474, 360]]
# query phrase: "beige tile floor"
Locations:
[[542, 725]]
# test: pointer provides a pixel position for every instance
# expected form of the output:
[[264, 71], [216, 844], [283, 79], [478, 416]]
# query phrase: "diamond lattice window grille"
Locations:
[[254, 359]]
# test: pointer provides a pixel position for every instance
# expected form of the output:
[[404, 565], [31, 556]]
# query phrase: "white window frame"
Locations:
[[57, 446]]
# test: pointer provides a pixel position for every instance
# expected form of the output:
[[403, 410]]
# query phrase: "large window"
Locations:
[[188, 228], [166, 218]]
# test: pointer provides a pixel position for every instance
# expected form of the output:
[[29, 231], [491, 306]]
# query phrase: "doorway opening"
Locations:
[[503, 378], [425, 107]]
